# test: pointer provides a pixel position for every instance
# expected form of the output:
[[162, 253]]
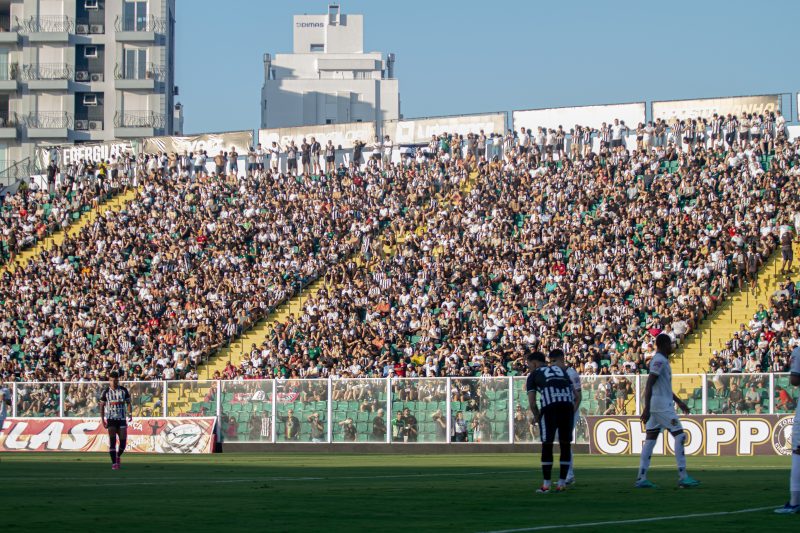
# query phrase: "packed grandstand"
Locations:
[[446, 262]]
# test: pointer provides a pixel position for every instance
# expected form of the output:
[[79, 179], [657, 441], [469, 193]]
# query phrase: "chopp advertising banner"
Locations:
[[590, 115], [145, 435], [342, 135], [212, 143], [706, 107], [707, 435], [420, 130]]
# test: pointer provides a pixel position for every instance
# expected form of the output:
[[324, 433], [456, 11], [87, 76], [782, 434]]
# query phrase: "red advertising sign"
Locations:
[[710, 435], [145, 435]]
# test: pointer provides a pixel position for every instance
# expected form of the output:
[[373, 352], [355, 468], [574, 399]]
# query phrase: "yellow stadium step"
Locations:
[[256, 335], [716, 330], [56, 238], [180, 398]]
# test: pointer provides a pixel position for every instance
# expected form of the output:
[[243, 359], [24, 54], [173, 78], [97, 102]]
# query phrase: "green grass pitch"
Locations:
[[327, 492]]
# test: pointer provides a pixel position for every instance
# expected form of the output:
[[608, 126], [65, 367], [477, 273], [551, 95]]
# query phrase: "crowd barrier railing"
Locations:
[[395, 410]]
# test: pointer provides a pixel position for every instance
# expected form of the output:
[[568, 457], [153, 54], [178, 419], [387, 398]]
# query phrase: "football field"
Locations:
[[326, 492]]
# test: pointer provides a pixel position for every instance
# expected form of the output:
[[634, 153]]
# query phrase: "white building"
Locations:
[[328, 79], [76, 71]]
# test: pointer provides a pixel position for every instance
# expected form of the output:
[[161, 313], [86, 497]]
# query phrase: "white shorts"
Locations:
[[664, 420]]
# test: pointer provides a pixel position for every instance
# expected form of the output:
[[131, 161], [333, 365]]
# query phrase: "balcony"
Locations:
[[139, 123], [48, 76], [140, 29], [141, 79], [47, 28], [8, 32], [8, 77], [8, 125], [49, 124]]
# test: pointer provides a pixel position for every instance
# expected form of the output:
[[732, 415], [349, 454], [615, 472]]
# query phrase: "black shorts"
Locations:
[[557, 417], [117, 424], [292, 164], [329, 158], [787, 254]]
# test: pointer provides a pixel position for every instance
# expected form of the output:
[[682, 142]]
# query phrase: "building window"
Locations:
[[317, 47], [135, 63], [90, 51], [134, 15], [328, 121], [362, 74]]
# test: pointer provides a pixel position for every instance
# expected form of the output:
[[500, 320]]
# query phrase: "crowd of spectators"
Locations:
[[188, 264], [594, 254], [554, 245]]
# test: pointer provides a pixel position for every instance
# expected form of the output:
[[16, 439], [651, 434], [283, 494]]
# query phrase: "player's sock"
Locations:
[[122, 444], [547, 462], [566, 461], [644, 461], [794, 480], [112, 448], [680, 455]]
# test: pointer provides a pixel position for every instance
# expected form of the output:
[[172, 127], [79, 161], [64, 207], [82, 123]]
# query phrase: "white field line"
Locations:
[[634, 520]]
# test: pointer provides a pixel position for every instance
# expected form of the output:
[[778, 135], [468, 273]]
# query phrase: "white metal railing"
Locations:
[[397, 410]]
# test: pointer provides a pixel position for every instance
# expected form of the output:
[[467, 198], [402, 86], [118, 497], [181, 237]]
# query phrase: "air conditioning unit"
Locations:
[[81, 29], [95, 125], [82, 75], [97, 77], [90, 99], [82, 125], [97, 28]]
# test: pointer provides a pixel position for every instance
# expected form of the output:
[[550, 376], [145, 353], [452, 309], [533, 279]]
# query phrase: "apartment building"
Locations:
[[74, 71]]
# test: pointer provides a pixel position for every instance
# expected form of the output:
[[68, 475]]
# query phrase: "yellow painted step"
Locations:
[[717, 330], [57, 238]]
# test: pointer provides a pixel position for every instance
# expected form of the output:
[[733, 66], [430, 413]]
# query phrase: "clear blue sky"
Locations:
[[470, 57]]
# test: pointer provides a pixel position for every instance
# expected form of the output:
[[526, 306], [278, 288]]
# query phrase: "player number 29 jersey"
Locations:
[[115, 400], [553, 385]]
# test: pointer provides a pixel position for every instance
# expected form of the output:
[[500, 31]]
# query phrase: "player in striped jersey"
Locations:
[[659, 414], [556, 415], [793, 505], [115, 412], [557, 358], [5, 403]]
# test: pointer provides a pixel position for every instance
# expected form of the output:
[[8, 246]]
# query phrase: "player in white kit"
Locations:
[[793, 505], [557, 358], [659, 414]]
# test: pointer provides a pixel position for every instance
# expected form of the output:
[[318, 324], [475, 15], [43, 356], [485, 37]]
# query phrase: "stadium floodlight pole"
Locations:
[[447, 403], [273, 430]]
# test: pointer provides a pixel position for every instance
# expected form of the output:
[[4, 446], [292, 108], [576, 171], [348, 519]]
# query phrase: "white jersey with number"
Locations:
[[661, 400]]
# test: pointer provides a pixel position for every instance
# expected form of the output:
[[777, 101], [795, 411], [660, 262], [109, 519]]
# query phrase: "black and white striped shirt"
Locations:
[[552, 384], [115, 401]]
